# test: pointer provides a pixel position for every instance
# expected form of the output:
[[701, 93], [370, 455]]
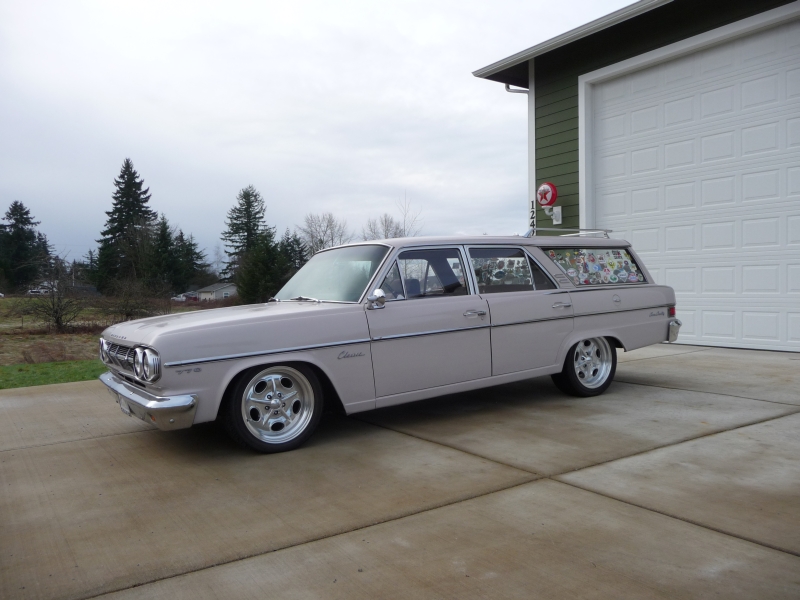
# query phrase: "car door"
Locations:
[[431, 331], [530, 316]]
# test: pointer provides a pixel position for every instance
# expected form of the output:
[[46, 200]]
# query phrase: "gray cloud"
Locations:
[[344, 106]]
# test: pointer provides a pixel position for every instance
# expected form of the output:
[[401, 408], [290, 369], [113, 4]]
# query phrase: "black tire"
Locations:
[[589, 368], [274, 408]]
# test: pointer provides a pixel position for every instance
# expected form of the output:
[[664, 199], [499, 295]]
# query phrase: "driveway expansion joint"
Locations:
[[627, 360], [76, 440], [678, 518], [541, 475], [321, 537], [665, 387]]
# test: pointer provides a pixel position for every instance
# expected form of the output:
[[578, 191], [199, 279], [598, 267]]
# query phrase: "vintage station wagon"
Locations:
[[375, 324]]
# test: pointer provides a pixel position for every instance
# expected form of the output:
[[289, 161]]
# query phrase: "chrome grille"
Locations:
[[122, 356]]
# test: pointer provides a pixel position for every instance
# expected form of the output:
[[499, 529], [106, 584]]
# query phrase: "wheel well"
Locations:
[[332, 400], [615, 342]]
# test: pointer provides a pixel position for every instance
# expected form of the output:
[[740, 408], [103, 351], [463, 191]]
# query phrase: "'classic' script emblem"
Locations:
[[346, 354], [659, 313]]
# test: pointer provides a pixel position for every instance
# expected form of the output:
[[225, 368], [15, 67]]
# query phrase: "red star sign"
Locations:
[[547, 194]]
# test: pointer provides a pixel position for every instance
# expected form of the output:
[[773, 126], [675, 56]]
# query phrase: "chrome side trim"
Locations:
[[606, 312], [434, 332], [194, 361], [561, 318]]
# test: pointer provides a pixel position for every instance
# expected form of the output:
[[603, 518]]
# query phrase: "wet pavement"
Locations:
[[682, 480]]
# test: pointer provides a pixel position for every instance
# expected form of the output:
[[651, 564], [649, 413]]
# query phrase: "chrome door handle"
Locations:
[[562, 304], [475, 313]]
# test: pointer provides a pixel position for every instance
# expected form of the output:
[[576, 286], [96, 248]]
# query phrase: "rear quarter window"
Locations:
[[597, 266]]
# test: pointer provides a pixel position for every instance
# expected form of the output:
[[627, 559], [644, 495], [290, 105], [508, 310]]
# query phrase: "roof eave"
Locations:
[[494, 71]]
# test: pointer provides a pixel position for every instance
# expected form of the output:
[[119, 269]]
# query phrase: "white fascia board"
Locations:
[[573, 35], [765, 20], [531, 146]]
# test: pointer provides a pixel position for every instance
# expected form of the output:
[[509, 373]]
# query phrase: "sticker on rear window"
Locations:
[[596, 266]]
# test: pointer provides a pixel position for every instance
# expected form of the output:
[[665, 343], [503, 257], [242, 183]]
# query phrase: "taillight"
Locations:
[[671, 311]]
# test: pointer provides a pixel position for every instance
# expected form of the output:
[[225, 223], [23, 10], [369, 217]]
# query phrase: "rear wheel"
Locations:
[[588, 368], [274, 409]]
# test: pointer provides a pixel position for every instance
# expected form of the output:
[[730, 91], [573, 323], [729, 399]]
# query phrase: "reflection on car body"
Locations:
[[382, 323]]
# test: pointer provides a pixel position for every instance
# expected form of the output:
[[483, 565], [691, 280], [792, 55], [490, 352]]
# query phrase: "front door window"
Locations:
[[432, 273]]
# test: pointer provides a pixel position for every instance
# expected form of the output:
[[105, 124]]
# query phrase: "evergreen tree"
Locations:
[[164, 260], [192, 265], [245, 223], [293, 250], [90, 266], [23, 250], [122, 252], [262, 269]]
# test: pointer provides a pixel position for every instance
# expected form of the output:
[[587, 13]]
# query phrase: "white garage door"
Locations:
[[697, 162]]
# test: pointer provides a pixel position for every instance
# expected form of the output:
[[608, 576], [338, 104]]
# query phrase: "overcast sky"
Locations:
[[344, 106]]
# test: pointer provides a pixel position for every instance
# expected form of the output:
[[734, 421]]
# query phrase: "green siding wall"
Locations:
[[557, 81]]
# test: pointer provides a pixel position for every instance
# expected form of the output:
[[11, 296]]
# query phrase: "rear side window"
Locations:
[[596, 266], [499, 270]]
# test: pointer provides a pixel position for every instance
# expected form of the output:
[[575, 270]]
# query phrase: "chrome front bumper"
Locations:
[[674, 328], [169, 412]]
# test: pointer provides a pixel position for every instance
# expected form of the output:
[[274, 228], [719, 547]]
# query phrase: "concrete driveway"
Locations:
[[683, 480]]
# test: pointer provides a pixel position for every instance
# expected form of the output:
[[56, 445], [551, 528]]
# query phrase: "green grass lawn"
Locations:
[[16, 376]]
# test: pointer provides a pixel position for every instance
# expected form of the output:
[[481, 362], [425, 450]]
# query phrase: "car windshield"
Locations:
[[339, 275]]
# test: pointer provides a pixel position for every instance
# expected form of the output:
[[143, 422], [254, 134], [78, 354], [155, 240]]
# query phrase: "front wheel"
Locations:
[[588, 368], [274, 409]]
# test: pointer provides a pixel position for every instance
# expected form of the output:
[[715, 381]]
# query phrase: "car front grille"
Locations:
[[122, 356]]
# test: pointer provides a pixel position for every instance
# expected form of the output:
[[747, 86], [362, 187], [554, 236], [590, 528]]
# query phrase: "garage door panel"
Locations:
[[696, 162], [731, 61], [709, 99], [768, 186]]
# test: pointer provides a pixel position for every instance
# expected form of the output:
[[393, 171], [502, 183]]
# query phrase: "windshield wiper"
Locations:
[[305, 298]]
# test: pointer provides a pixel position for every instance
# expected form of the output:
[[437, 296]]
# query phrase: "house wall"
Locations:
[[554, 97]]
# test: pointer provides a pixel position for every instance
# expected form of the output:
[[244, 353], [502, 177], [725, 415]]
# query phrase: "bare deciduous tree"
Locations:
[[130, 300], [381, 228], [386, 226], [410, 223], [323, 231], [60, 305]]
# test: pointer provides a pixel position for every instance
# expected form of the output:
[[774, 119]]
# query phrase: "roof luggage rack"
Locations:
[[575, 232]]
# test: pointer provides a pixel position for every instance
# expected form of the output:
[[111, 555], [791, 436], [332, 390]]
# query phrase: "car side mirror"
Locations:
[[377, 300]]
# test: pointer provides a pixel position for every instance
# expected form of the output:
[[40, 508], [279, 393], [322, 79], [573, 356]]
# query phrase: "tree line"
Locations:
[[140, 253]]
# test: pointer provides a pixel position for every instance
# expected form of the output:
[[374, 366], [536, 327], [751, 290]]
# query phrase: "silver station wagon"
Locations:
[[375, 324]]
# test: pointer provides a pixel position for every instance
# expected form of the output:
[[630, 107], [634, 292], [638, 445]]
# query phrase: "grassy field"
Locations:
[[26, 375], [32, 355]]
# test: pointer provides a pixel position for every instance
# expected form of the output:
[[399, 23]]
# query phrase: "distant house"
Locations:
[[217, 291]]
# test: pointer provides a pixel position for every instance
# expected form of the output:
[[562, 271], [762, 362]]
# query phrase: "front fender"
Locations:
[[348, 367]]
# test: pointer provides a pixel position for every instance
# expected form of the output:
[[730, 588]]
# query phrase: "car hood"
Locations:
[[254, 328]]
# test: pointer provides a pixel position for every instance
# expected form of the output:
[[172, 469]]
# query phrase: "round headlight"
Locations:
[[152, 365], [138, 362]]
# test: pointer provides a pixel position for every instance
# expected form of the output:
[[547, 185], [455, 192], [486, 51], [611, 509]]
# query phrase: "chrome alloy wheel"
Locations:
[[277, 404], [592, 362]]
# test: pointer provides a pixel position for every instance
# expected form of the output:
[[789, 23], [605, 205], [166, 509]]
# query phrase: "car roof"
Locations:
[[507, 240]]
